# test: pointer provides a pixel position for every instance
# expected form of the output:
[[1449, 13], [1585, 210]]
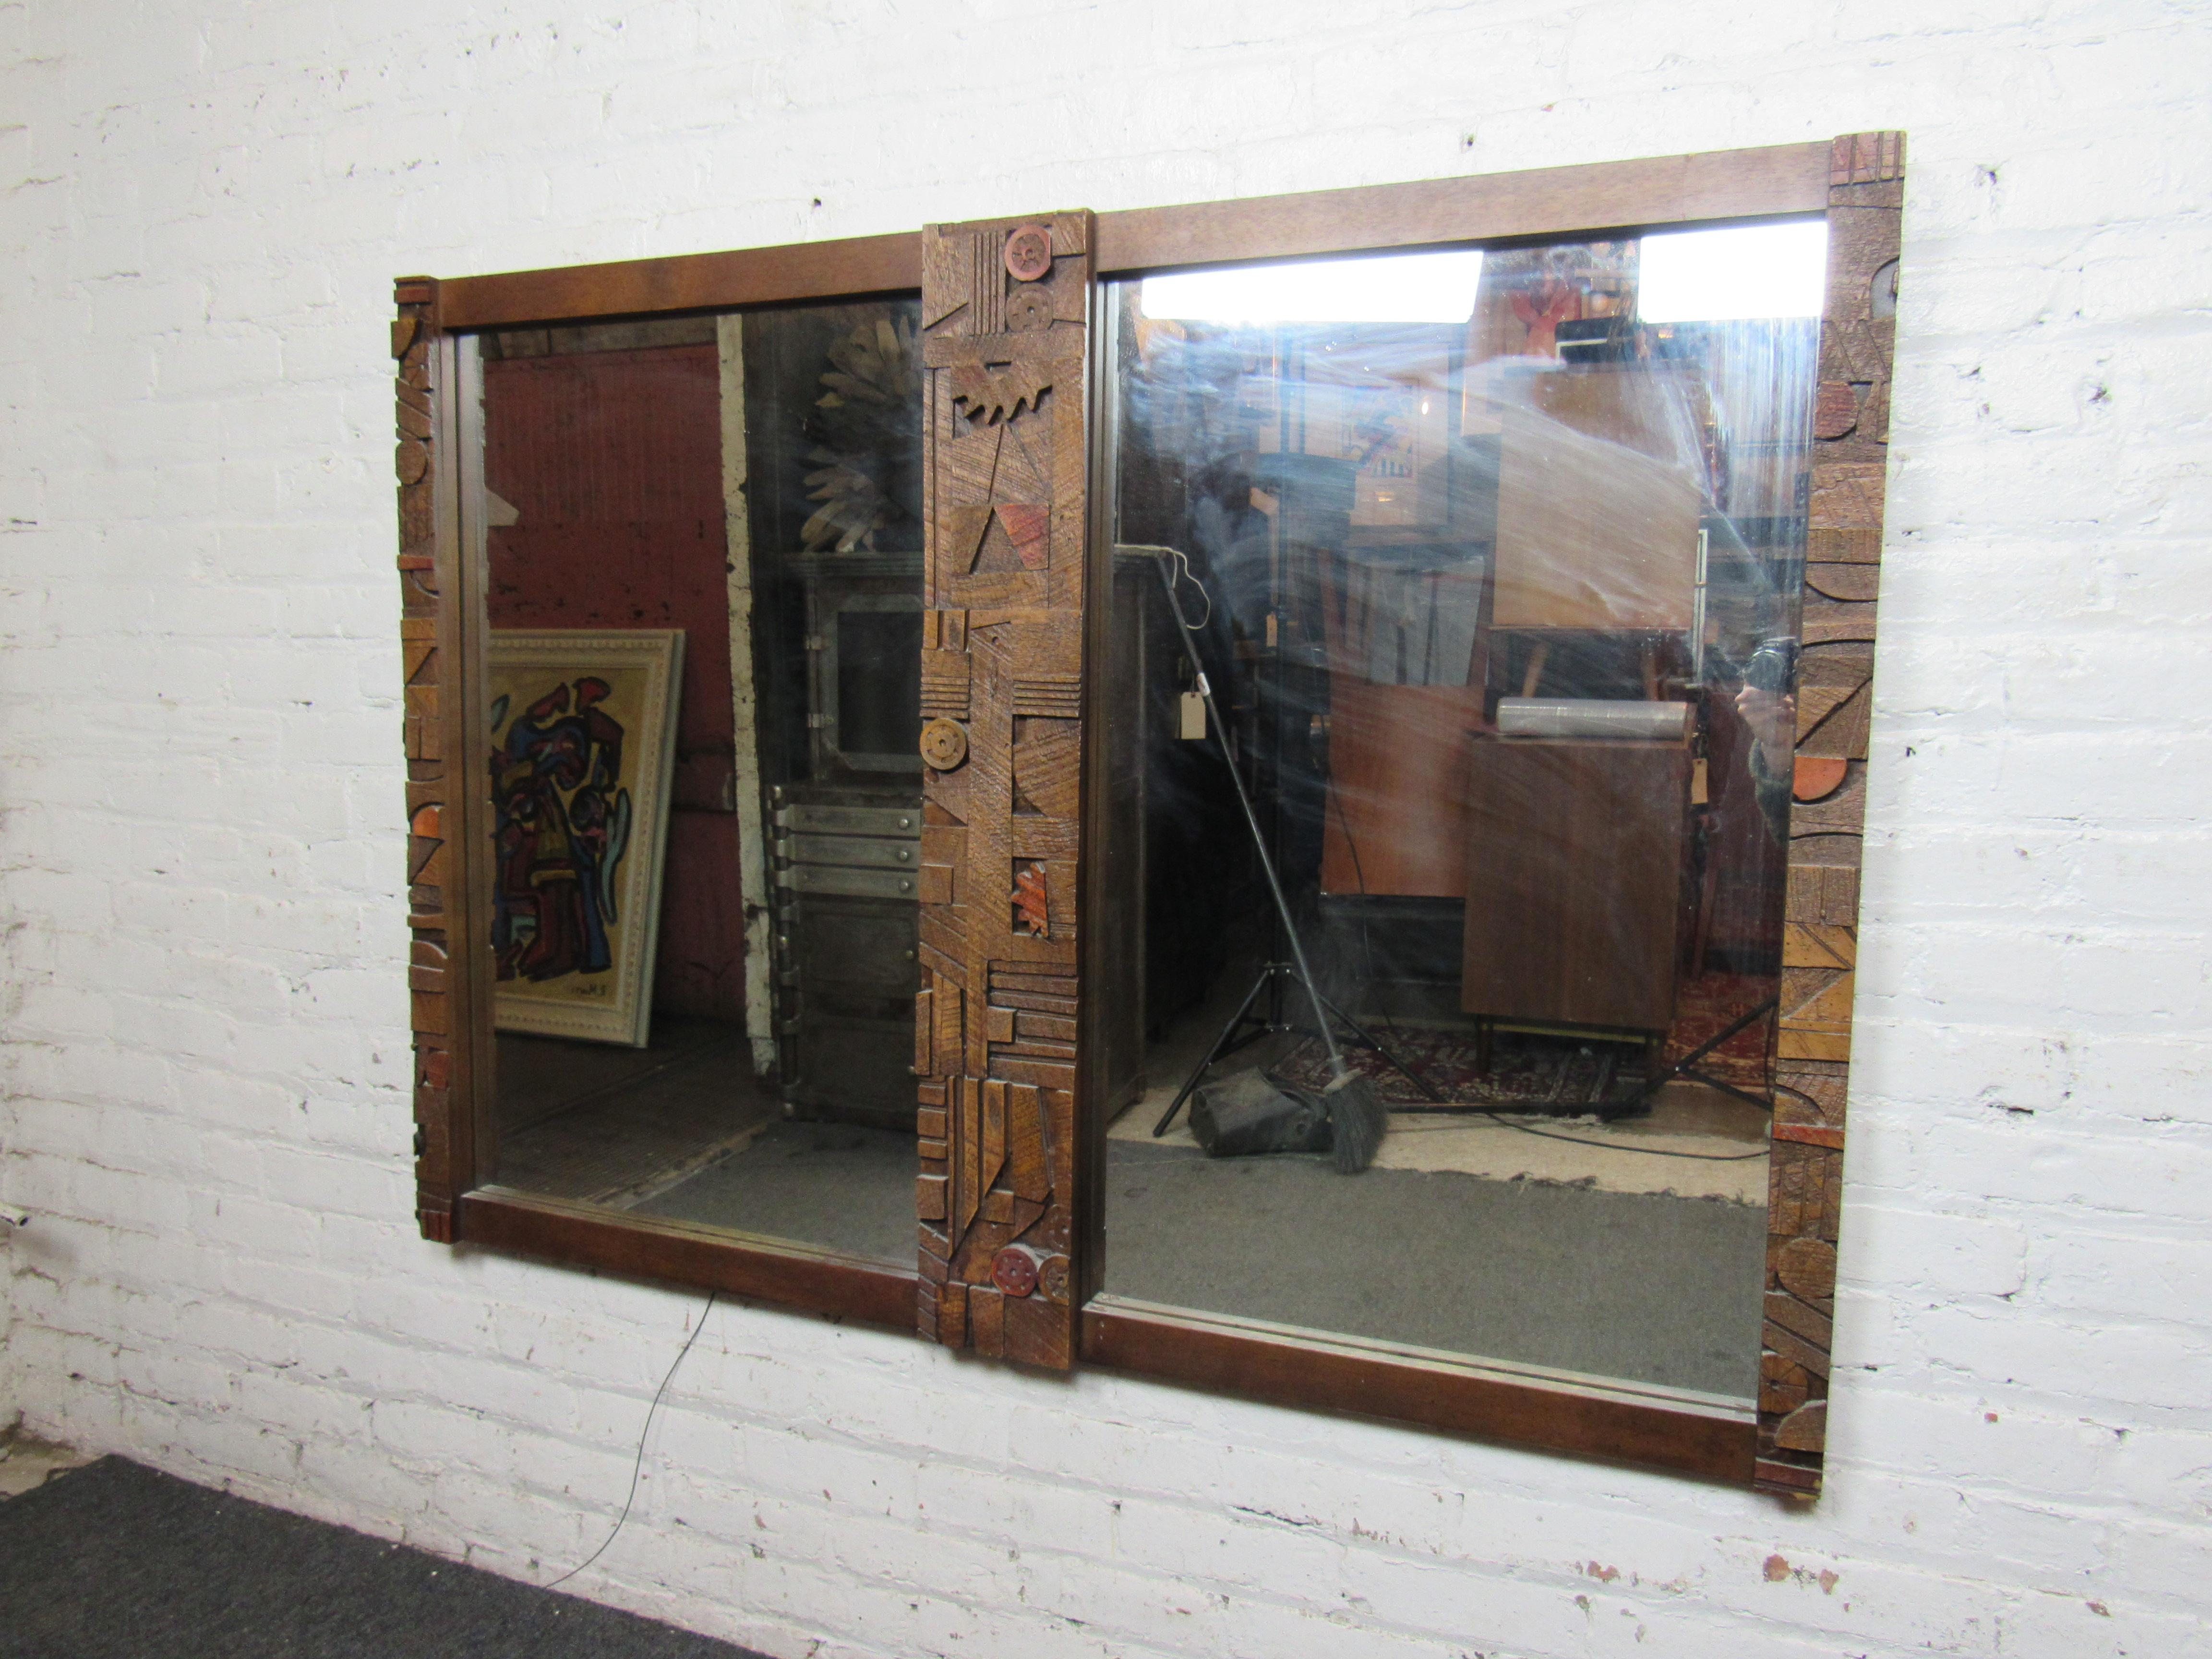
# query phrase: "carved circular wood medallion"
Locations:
[[1028, 253], [1028, 311], [1806, 1268], [1015, 1270], [1052, 1279], [943, 743]]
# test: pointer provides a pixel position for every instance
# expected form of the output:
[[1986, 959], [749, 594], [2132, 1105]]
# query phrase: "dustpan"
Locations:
[[1245, 1112]]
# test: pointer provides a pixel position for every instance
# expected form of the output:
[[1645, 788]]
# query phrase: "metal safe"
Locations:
[[845, 841]]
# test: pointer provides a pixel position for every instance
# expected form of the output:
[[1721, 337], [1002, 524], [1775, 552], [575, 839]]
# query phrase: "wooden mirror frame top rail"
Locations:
[[1009, 1189]]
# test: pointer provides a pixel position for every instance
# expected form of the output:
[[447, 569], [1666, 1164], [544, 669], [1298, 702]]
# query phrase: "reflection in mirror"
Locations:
[[1462, 675], [704, 591]]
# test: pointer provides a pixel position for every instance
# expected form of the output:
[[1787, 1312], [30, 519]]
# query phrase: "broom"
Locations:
[[1356, 1116]]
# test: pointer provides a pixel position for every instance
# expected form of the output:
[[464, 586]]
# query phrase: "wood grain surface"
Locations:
[[1653, 1427], [687, 1253], [1005, 342], [844, 269], [1660, 190], [1621, 195], [1575, 855], [436, 878], [1866, 195], [444, 625], [1008, 383], [1398, 764]]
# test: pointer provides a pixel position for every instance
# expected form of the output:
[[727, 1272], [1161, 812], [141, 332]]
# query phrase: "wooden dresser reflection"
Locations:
[[1575, 860]]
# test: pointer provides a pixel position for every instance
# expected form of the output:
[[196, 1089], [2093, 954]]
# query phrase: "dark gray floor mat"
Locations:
[[117, 1561]]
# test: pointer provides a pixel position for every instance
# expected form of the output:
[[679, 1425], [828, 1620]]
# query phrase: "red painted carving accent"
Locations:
[[1014, 1271], [1816, 778], [1028, 253], [1031, 527], [1031, 912], [1002, 653]]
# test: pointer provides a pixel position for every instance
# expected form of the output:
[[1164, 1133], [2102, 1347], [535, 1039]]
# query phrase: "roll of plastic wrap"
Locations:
[[1591, 717]]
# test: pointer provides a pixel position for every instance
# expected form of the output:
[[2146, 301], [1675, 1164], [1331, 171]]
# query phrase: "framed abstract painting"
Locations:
[[583, 743]]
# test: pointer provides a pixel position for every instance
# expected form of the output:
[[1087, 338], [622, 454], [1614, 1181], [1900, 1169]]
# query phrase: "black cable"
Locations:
[[638, 1464]]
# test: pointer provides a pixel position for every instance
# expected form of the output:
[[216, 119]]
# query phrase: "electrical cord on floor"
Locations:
[[1624, 1146], [637, 1464]]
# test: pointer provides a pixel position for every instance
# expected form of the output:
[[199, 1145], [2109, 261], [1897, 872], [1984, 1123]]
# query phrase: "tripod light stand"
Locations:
[[1356, 1112]]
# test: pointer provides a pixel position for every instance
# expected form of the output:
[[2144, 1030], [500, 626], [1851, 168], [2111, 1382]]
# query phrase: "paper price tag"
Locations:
[[1193, 724]]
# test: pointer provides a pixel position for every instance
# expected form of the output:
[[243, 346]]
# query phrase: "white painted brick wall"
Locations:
[[202, 207]]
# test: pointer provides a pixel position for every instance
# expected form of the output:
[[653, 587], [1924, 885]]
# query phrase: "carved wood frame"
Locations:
[[442, 583], [1856, 180], [1842, 569], [1006, 349]]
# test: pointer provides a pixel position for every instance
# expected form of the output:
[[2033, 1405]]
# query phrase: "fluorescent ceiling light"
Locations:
[[1723, 275], [1395, 287]]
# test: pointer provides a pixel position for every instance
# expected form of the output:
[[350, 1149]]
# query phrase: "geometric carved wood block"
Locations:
[[1865, 195], [431, 873], [1005, 354]]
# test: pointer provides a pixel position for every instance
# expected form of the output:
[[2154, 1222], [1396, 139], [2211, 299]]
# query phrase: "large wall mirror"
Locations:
[[703, 627], [1490, 564], [1264, 793]]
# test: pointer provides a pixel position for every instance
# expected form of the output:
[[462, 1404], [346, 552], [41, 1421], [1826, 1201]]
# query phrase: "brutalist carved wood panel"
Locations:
[[1865, 195], [433, 867], [1006, 349]]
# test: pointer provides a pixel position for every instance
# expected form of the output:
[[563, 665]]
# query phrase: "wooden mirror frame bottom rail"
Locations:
[[1602, 1418], [1775, 1443], [685, 1254], [1654, 1428], [1649, 1427]]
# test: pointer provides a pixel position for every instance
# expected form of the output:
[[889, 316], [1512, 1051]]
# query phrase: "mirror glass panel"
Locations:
[[1454, 621], [704, 557]]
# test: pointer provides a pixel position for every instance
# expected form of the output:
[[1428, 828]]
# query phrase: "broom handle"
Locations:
[[1166, 557]]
